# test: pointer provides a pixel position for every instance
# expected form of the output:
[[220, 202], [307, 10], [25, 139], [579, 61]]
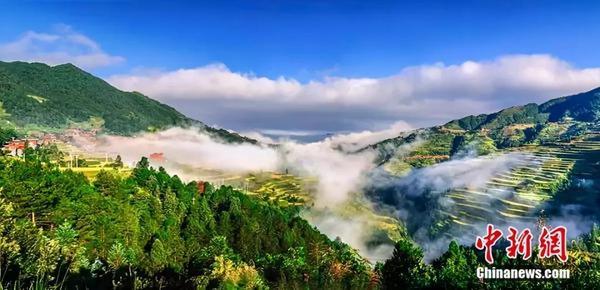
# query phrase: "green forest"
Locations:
[[150, 230]]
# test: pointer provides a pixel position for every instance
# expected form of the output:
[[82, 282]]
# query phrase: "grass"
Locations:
[[91, 172]]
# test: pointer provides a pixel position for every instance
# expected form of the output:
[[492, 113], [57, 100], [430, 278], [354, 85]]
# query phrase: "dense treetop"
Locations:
[[151, 230]]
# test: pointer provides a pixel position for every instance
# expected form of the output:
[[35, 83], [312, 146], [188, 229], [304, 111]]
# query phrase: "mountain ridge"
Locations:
[[559, 119], [584, 107], [36, 96]]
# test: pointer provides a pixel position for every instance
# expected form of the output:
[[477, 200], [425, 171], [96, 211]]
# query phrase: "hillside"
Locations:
[[559, 119], [35, 96], [584, 107], [540, 158]]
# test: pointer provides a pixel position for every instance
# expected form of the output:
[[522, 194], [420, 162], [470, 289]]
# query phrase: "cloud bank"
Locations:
[[63, 45], [340, 176], [421, 95]]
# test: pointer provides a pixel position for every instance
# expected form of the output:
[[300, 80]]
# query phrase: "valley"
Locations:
[[193, 205]]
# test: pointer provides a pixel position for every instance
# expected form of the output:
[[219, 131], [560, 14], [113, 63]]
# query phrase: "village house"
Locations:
[[17, 147], [158, 157]]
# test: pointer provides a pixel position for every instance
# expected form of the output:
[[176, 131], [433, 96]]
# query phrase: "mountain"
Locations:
[[36, 96], [584, 107], [559, 119], [541, 160]]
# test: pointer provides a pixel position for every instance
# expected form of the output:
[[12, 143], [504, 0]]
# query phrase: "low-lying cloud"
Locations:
[[421, 201], [343, 177], [339, 175], [190, 147], [356, 231]]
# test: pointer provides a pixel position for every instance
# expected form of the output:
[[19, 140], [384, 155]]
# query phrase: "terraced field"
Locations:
[[518, 193], [282, 188], [286, 189]]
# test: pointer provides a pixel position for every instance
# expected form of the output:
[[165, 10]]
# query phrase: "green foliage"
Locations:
[[436, 143], [72, 95], [583, 107], [555, 120], [46, 154], [7, 134], [470, 143], [405, 269], [560, 119], [455, 269], [151, 230]]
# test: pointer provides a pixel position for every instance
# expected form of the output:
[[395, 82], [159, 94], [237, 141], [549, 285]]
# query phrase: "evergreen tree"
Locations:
[[405, 269]]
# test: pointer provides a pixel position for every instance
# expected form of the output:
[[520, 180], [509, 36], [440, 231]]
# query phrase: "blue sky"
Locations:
[[307, 42]]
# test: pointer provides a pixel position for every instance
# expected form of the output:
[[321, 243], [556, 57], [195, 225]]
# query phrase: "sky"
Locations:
[[310, 68]]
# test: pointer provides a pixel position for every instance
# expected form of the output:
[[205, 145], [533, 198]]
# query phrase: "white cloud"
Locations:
[[190, 147], [541, 74], [421, 95], [63, 45], [357, 140], [339, 173]]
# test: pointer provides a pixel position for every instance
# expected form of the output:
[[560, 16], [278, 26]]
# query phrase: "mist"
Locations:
[[340, 175], [345, 176], [193, 148], [355, 230], [420, 197]]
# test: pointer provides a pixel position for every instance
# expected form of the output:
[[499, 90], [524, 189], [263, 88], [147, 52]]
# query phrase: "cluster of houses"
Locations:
[[16, 147], [77, 132]]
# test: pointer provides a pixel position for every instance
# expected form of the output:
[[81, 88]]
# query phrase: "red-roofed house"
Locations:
[[17, 146], [157, 157]]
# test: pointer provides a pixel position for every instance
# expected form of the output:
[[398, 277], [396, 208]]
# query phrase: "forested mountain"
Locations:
[[558, 144], [35, 96], [150, 230], [556, 120], [584, 107]]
